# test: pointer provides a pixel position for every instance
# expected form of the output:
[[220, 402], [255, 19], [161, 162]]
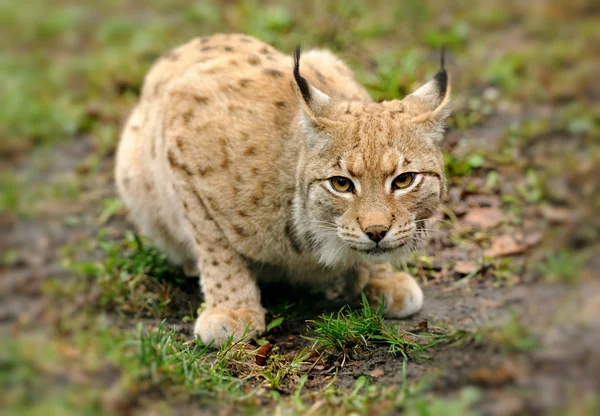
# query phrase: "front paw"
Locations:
[[218, 325], [401, 295]]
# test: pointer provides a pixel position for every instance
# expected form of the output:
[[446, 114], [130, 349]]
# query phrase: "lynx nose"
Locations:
[[376, 232]]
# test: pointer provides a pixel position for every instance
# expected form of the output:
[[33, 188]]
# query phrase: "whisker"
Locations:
[[326, 223], [344, 244], [327, 227]]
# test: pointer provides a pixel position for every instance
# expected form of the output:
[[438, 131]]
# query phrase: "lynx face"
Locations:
[[373, 172]]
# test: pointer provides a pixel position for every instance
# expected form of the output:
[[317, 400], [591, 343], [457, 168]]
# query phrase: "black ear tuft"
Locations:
[[302, 83], [443, 58], [441, 78]]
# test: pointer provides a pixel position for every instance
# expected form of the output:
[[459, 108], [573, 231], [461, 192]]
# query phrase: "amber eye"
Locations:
[[341, 184], [403, 181]]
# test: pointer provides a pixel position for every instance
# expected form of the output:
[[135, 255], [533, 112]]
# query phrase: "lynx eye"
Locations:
[[341, 184], [403, 181]]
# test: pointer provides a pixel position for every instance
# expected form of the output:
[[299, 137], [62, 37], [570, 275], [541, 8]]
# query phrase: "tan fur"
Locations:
[[226, 168]]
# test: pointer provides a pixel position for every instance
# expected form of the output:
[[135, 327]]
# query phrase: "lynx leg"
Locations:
[[401, 294], [229, 286], [231, 293]]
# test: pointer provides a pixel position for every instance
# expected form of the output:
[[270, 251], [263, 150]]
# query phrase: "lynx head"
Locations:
[[370, 173]]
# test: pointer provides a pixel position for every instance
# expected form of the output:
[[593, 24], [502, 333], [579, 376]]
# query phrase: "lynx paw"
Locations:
[[401, 295], [218, 324]]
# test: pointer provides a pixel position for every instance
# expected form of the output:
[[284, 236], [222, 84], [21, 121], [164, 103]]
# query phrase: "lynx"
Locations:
[[242, 164]]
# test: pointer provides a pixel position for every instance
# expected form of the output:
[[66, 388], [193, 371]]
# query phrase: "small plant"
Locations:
[[561, 266], [513, 336], [281, 366], [456, 166], [351, 330], [130, 276], [393, 76], [532, 191], [164, 357]]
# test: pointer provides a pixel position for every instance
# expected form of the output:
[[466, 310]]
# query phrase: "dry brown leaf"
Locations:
[[504, 245], [478, 200], [262, 353], [506, 372], [492, 376], [378, 372], [422, 326], [465, 267], [555, 215], [484, 217], [532, 238]]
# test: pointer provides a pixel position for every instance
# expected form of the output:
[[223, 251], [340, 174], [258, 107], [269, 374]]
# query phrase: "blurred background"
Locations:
[[520, 229]]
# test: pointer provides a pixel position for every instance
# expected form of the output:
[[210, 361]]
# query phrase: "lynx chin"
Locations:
[[242, 163]]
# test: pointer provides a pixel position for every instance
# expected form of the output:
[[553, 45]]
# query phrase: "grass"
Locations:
[[563, 265], [351, 330], [131, 277], [165, 358], [513, 336], [366, 397], [161, 358], [151, 358]]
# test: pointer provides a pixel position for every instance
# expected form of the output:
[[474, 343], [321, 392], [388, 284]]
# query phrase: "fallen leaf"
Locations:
[[504, 245], [533, 238], [484, 217], [378, 372], [465, 267], [458, 208], [484, 201], [505, 372], [422, 326], [555, 215], [262, 353], [491, 376]]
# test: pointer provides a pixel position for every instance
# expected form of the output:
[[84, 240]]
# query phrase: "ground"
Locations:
[[93, 320]]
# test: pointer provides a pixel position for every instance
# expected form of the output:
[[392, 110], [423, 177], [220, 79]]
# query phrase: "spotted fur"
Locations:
[[226, 165]]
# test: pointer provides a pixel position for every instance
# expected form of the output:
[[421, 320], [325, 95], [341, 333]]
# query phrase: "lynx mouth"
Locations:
[[377, 250]]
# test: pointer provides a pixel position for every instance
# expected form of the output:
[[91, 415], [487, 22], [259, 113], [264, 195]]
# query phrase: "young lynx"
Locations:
[[243, 164]]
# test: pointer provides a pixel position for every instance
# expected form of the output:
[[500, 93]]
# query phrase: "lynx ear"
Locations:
[[431, 101], [314, 103]]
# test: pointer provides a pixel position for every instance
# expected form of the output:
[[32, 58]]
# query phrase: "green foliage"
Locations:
[[459, 406], [351, 329], [505, 72], [366, 397], [24, 197], [130, 276], [164, 358], [394, 75], [454, 37], [281, 366], [512, 336], [563, 265], [462, 166], [532, 191]]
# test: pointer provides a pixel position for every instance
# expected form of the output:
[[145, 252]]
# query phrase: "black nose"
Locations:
[[376, 232]]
